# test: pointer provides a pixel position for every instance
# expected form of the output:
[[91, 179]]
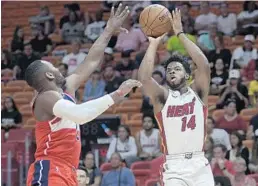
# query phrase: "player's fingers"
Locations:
[[112, 11], [119, 9], [125, 12]]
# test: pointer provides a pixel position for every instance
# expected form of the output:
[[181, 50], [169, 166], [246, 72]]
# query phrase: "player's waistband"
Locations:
[[58, 162], [188, 155]]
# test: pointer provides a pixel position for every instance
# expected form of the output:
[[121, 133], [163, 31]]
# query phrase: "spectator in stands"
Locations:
[[63, 68], [235, 90], [119, 175], [6, 64], [44, 19], [248, 72], [75, 58], [239, 178], [244, 54], [148, 139], [112, 81], [136, 17], [253, 89], [253, 127], [73, 29], [65, 17], [108, 57], [127, 68], [94, 29], [238, 149], [41, 43], [134, 40], [219, 136], [208, 148], [26, 58], [107, 5], [147, 106], [247, 19], [227, 22], [94, 87], [207, 40], [187, 19], [219, 77], [219, 164], [231, 121], [75, 7], [205, 19], [10, 115], [222, 181], [17, 44], [175, 46], [81, 176], [219, 52], [124, 144], [93, 174]]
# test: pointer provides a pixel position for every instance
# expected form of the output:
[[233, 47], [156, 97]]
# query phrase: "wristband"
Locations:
[[120, 93], [179, 33]]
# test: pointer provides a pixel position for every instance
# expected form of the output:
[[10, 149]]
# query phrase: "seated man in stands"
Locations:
[[119, 175], [148, 139]]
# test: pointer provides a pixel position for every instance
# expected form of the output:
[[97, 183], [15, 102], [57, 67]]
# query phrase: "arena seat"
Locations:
[[212, 100], [137, 116], [136, 95], [19, 135], [21, 101], [55, 60], [127, 109], [11, 90], [20, 83], [5, 147], [30, 123], [26, 112], [249, 112], [24, 95], [131, 102], [14, 171], [27, 88], [133, 123], [124, 118]]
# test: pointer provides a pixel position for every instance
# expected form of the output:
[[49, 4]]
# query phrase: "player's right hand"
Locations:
[[117, 18], [157, 40], [128, 85]]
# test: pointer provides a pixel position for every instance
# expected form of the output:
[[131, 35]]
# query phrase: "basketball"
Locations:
[[155, 20]]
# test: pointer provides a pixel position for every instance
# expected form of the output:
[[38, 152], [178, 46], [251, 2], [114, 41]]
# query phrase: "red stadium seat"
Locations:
[[14, 171], [2, 136], [18, 135], [8, 147]]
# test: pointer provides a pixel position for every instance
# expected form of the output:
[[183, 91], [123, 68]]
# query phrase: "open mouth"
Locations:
[[173, 79]]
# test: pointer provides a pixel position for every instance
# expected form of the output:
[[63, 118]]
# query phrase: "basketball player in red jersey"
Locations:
[[58, 116], [180, 110]]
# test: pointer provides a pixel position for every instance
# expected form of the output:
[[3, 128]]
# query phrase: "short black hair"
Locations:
[[32, 73], [150, 115], [156, 72], [64, 65], [180, 59]]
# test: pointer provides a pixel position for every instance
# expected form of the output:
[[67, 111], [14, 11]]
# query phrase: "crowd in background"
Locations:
[[234, 78]]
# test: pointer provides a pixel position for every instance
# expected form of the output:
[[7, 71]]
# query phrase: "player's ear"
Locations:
[[50, 75]]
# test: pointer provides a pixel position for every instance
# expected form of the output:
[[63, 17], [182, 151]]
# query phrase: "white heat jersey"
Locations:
[[150, 144], [182, 123]]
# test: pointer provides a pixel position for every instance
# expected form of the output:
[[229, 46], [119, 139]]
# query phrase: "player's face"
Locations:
[[122, 133], [81, 177], [115, 161], [175, 75], [147, 123], [218, 153], [89, 161], [234, 140]]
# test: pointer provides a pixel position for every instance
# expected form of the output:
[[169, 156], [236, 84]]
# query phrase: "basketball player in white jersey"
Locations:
[[180, 110]]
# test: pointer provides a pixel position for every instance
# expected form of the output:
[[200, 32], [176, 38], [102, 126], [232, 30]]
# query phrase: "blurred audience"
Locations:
[[187, 19], [94, 87], [119, 175], [6, 65], [81, 176], [231, 121], [65, 18], [206, 41], [17, 44], [253, 89], [227, 22], [75, 57], [10, 115], [124, 144], [63, 68], [112, 81], [208, 148]]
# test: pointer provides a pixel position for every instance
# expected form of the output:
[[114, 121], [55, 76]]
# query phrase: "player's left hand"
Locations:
[[157, 40], [117, 18], [176, 21]]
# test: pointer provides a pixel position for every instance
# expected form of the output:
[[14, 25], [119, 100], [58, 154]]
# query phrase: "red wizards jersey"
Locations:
[[58, 140]]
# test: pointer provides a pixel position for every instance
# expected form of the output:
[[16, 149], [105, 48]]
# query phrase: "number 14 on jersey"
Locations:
[[188, 124]]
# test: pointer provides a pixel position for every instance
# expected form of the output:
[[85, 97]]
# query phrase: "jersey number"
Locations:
[[188, 124]]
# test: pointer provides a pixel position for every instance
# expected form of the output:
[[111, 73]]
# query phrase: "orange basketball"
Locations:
[[155, 20]]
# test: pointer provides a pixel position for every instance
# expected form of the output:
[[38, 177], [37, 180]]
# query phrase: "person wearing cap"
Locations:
[[108, 57], [234, 90], [244, 54], [247, 19]]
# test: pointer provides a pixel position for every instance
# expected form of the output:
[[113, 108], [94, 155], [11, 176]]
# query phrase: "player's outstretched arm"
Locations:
[[202, 74], [54, 105], [150, 87], [96, 52]]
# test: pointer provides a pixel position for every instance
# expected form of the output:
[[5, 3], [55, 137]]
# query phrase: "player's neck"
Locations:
[[183, 90]]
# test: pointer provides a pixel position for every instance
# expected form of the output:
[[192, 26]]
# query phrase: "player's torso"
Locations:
[[149, 143], [58, 139], [182, 123]]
